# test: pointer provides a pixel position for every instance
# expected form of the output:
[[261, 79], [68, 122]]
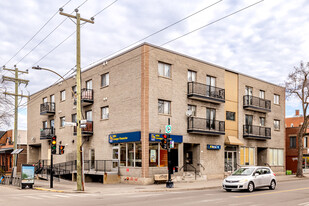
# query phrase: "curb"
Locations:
[[50, 190]]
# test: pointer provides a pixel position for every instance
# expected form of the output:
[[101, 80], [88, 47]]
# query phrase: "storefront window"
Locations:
[[275, 157], [123, 154], [130, 154], [247, 156], [153, 155], [138, 155]]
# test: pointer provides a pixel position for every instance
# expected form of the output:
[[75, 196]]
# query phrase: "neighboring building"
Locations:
[[7, 147], [292, 125], [233, 119]]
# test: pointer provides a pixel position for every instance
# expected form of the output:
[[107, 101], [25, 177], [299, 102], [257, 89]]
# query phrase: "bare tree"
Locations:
[[6, 107], [297, 85]]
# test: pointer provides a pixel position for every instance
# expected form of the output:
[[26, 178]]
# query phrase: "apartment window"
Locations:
[[247, 156], [248, 91], [262, 121], [164, 69], [52, 123], [74, 90], [277, 124], [262, 94], [74, 117], [211, 81], [291, 124], [62, 95], [89, 84], [62, 120], [305, 142], [293, 142], [104, 112], [276, 99], [192, 108], [105, 80], [275, 157], [45, 100], [210, 118], [89, 115], [44, 124], [191, 76], [164, 107], [230, 116]]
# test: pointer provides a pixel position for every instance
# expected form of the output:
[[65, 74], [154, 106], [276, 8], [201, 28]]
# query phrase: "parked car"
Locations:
[[249, 178]]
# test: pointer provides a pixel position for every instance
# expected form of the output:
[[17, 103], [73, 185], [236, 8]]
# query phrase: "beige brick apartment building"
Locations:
[[233, 119]]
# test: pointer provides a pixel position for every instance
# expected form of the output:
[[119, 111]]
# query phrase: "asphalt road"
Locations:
[[287, 193]]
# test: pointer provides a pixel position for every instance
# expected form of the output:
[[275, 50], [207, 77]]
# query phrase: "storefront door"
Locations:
[[230, 161], [115, 158]]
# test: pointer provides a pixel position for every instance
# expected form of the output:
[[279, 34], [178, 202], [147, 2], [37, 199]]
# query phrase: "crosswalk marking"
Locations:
[[32, 197]]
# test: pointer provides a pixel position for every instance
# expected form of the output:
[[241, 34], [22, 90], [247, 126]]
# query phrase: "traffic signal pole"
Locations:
[[51, 171], [169, 183]]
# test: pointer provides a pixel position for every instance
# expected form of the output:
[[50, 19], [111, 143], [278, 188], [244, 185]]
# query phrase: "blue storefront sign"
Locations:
[[156, 137], [125, 137], [213, 147]]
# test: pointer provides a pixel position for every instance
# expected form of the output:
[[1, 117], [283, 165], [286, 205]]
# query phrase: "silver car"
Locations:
[[249, 178]]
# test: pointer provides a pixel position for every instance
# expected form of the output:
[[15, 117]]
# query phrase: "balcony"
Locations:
[[198, 125], [47, 133], [86, 97], [257, 104], [87, 131], [47, 108], [207, 93], [256, 132]]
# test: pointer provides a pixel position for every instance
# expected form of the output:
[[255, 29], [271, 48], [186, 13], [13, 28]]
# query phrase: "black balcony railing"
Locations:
[[205, 92], [257, 132], [256, 103], [205, 126], [47, 133], [86, 131], [47, 108], [87, 96]]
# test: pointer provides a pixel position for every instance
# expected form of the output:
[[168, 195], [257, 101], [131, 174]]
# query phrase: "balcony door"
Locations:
[[89, 84], [211, 85], [52, 102], [248, 93], [89, 115], [248, 122], [210, 118]]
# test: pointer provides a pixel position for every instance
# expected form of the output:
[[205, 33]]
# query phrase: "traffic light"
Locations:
[[164, 142], [61, 149], [53, 145]]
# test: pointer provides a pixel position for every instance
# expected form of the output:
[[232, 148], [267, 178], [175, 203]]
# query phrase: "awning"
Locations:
[[17, 151], [4, 150], [232, 140]]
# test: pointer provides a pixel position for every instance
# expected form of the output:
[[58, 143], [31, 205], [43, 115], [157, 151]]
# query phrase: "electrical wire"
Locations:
[[35, 34], [105, 8], [150, 35]]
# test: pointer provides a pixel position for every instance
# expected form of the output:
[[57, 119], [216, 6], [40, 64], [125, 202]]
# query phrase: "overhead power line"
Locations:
[[35, 34], [105, 8]]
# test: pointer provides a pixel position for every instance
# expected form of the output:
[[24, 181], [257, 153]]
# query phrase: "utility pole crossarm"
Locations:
[[13, 94], [23, 81], [74, 17], [12, 70]]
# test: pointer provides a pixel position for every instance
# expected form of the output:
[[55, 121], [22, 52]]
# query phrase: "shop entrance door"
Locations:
[[191, 157], [230, 161], [115, 158]]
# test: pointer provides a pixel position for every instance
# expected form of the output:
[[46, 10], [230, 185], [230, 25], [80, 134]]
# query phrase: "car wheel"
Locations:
[[272, 185], [250, 187], [228, 190]]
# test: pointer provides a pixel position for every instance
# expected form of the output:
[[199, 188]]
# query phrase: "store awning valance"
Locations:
[[4, 150], [232, 140]]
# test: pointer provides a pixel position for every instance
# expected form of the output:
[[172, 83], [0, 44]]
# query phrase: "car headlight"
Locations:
[[243, 181]]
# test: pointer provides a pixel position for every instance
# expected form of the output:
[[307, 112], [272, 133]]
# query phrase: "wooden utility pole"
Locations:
[[79, 180], [16, 95]]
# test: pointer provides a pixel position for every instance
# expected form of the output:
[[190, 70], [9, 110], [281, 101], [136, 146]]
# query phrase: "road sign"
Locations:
[[168, 129], [172, 144], [69, 124]]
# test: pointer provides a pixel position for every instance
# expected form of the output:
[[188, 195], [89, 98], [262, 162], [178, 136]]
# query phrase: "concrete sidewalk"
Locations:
[[70, 187]]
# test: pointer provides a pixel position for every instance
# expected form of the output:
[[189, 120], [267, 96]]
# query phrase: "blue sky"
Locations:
[[264, 41]]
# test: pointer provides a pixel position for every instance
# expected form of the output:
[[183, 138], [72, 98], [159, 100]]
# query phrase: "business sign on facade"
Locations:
[[213, 147], [124, 137]]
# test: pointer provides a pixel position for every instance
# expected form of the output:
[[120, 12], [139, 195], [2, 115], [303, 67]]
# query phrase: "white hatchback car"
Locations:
[[249, 178]]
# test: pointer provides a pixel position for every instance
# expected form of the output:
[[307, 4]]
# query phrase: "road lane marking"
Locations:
[[304, 203], [32, 197], [269, 193]]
